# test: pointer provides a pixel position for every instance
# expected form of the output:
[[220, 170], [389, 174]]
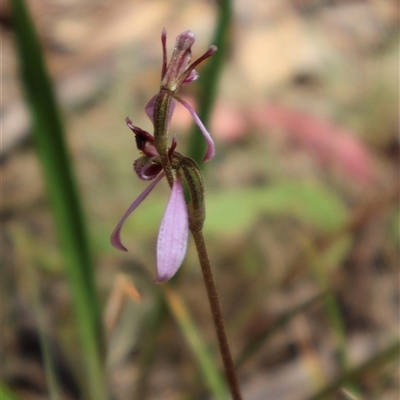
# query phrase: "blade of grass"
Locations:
[[6, 393], [209, 79], [331, 305], [263, 337], [355, 374], [385, 382], [54, 158], [23, 250], [332, 308], [148, 349], [206, 363]]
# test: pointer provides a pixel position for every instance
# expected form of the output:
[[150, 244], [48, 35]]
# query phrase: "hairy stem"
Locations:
[[162, 105], [217, 314]]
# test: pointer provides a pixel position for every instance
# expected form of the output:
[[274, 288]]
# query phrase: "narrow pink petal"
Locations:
[[190, 78], [150, 109], [185, 74], [182, 53], [139, 131], [210, 144], [173, 235], [212, 50], [115, 238], [180, 59]]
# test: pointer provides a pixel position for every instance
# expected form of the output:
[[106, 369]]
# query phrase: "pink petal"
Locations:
[[180, 59], [191, 77], [139, 131], [182, 53], [115, 238], [210, 144], [150, 108], [173, 235], [188, 75]]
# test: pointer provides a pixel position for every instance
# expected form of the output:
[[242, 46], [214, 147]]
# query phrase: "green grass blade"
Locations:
[[206, 363], [355, 374], [332, 310], [208, 84], [331, 306], [24, 250], [53, 155], [148, 346], [263, 337], [6, 393]]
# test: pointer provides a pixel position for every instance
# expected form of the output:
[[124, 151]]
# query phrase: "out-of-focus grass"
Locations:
[[210, 78], [56, 163], [207, 364], [353, 375], [6, 393], [149, 345], [265, 335], [23, 248]]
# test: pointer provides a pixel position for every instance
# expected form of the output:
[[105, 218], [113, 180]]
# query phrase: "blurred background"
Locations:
[[302, 199]]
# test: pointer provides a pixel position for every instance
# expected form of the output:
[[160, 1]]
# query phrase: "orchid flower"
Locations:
[[179, 72], [174, 228]]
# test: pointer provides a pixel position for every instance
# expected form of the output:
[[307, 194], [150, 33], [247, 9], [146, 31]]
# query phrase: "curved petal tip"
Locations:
[[210, 153], [115, 239]]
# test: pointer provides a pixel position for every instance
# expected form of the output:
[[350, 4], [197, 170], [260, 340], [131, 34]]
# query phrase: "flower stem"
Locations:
[[217, 314], [162, 106]]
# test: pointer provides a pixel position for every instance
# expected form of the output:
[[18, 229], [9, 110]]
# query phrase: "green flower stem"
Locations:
[[161, 111], [217, 314]]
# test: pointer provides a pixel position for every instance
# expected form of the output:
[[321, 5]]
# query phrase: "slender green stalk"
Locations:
[[53, 155], [354, 375], [48, 362], [263, 337], [217, 314], [206, 365], [6, 393], [148, 345], [332, 309], [210, 76], [22, 245]]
